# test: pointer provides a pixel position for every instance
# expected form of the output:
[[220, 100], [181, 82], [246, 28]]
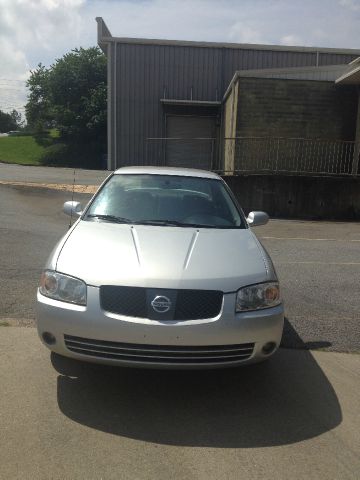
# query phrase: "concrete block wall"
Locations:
[[320, 198], [296, 108]]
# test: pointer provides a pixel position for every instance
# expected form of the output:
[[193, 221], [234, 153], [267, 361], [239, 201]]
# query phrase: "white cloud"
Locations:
[[239, 32], [13, 74], [33, 31], [324, 23], [291, 40], [38, 24], [351, 4]]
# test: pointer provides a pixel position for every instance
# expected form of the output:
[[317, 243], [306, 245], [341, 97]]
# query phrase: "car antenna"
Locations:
[[72, 200]]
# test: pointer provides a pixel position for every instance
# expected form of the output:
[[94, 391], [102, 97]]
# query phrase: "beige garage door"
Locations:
[[190, 141]]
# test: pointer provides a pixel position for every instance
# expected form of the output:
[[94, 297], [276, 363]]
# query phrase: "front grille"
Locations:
[[159, 353], [136, 302], [129, 301]]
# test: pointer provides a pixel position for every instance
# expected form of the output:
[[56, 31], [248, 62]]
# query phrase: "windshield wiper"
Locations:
[[110, 218], [166, 223], [169, 223], [173, 223]]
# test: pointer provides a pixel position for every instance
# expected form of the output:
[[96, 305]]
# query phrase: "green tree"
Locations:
[[70, 95], [17, 118], [9, 121], [38, 108]]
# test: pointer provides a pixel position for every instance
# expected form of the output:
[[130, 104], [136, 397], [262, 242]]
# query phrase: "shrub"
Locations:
[[71, 155], [56, 155]]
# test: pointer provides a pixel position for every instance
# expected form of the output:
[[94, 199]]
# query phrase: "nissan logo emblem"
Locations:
[[161, 304]]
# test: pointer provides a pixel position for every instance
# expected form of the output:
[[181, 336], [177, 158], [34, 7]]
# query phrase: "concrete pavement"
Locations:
[[296, 416]]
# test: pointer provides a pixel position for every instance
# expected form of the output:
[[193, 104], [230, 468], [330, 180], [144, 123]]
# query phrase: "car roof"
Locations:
[[182, 172]]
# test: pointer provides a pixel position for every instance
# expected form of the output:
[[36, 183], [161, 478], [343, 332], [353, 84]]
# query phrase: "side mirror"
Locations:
[[255, 219], [72, 208]]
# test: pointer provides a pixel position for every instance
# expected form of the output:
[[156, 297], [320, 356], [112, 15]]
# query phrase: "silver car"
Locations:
[[161, 269]]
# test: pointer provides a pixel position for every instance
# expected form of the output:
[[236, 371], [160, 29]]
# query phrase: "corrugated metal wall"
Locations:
[[142, 74]]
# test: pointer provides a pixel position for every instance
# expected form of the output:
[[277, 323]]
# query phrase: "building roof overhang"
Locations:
[[349, 74], [192, 103], [105, 37], [352, 75]]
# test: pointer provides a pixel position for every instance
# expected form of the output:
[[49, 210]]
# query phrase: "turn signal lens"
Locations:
[[272, 293], [62, 287], [255, 297], [48, 282]]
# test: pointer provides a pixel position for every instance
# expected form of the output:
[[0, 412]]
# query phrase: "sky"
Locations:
[[34, 31]]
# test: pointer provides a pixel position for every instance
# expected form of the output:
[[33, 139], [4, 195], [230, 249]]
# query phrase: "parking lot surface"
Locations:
[[318, 264], [21, 173], [293, 417]]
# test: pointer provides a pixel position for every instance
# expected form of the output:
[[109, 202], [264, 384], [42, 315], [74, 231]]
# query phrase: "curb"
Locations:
[[54, 186]]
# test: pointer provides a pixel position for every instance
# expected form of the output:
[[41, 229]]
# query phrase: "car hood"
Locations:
[[102, 253]]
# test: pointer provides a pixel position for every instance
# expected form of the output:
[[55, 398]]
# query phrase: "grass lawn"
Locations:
[[23, 150], [47, 149]]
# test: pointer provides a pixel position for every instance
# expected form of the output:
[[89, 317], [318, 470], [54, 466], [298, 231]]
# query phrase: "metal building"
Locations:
[[161, 93]]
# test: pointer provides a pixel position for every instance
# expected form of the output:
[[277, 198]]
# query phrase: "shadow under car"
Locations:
[[285, 400]]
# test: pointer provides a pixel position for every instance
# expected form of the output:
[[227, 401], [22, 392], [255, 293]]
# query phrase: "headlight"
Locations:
[[255, 297], [62, 287]]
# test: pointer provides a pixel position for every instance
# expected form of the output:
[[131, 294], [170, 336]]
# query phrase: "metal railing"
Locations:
[[255, 155], [290, 155]]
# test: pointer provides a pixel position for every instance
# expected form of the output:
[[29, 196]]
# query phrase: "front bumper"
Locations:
[[91, 334]]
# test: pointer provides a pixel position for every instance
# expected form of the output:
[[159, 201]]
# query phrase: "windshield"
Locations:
[[165, 200]]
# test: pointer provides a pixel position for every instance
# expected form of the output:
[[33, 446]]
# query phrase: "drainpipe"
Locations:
[[115, 102], [356, 159]]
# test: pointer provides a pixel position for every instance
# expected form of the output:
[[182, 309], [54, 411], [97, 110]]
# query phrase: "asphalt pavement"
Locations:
[[296, 416], [318, 264], [22, 173]]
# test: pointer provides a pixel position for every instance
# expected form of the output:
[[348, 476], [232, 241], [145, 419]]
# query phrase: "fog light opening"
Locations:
[[268, 348], [48, 338]]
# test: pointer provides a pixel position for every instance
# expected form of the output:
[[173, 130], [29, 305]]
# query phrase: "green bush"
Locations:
[[56, 155], [71, 155], [44, 139]]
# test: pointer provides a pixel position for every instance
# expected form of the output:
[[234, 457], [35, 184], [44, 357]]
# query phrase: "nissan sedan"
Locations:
[[161, 269]]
